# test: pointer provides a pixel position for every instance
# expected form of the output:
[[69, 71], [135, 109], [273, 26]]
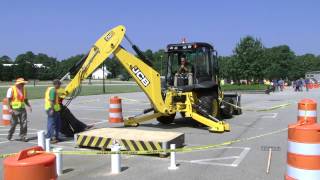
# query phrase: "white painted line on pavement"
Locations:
[[84, 118], [211, 159], [241, 157], [101, 122], [269, 115], [208, 161]]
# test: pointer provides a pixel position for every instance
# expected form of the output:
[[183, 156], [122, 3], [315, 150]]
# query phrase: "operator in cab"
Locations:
[[184, 73], [184, 67]]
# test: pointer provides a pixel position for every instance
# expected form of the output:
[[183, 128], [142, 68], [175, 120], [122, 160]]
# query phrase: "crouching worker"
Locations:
[[53, 107]]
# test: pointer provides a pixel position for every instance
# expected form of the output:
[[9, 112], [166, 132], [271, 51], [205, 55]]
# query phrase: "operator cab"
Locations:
[[191, 66]]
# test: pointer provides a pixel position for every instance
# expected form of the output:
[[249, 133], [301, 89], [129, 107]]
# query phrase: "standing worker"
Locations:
[[53, 108], [17, 97], [306, 82]]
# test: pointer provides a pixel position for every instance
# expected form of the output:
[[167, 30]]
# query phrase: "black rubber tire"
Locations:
[[166, 119], [211, 105], [228, 111], [238, 111]]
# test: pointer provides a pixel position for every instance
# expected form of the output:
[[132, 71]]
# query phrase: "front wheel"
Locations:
[[211, 105]]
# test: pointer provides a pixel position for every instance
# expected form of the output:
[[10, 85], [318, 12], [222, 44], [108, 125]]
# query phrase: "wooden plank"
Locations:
[[133, 134]]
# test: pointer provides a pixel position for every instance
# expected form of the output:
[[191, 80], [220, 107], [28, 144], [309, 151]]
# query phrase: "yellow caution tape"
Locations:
[[274, 107], [186, 149], [258, 110], [7, 155]]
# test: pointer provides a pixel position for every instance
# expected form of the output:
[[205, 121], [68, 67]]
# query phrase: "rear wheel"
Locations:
[[166, 119], [238, 111], [228, 110]]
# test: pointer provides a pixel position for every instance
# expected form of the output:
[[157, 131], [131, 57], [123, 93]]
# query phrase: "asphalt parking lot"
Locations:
[[242, 160]]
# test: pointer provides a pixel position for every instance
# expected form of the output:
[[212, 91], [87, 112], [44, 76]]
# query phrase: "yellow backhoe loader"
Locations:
[[196, 94]]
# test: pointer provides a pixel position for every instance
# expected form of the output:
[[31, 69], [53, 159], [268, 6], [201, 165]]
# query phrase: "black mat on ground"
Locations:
[[70, 125]]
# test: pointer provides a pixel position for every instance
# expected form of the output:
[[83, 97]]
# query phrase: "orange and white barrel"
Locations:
[[303, 156], [6, 115], [307, 111], [115, 110]]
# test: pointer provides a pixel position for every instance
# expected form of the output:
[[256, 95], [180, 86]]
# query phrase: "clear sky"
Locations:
[[62, 28]]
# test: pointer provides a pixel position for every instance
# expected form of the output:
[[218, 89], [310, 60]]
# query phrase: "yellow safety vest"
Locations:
[[47, 106], [17, 101], [61, 94]]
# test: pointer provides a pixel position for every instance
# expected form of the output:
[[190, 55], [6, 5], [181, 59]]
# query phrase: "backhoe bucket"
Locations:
[[70, 125]]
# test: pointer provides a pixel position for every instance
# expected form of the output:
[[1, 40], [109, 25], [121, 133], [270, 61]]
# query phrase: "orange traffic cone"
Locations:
[[303, 156], [115, 110], [6, 115], [307, 111]]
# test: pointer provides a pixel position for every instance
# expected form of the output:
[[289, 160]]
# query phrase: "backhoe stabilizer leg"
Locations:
[[213, 126], [134, 121]]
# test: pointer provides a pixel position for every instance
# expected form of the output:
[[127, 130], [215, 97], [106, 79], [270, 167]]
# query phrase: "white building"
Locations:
[[36, 65], [98, 73], [8, 65], [313, 75], [39, 65]]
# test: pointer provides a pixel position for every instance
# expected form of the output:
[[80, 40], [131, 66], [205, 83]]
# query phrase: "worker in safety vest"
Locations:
[[17, 97], [53, 108]]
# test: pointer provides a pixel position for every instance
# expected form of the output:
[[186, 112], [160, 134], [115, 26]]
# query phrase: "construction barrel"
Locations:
[[303, 156], [6, 115], [115, 110]]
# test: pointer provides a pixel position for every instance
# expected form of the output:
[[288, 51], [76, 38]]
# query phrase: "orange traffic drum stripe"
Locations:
[[307, 104], [304, 133], [303, 162]]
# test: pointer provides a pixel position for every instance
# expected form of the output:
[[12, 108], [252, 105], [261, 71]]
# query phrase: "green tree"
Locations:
[[5, 60], [302, 64], [113, 66], [7, 73], [64, 66], [248, 54], [24, 66], [277, 62], [159, 61]]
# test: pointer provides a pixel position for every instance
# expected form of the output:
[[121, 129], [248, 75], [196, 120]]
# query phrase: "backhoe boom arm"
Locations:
[[145, 76]]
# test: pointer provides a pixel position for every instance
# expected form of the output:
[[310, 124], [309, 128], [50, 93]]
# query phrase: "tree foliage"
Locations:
[[250, 60]]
